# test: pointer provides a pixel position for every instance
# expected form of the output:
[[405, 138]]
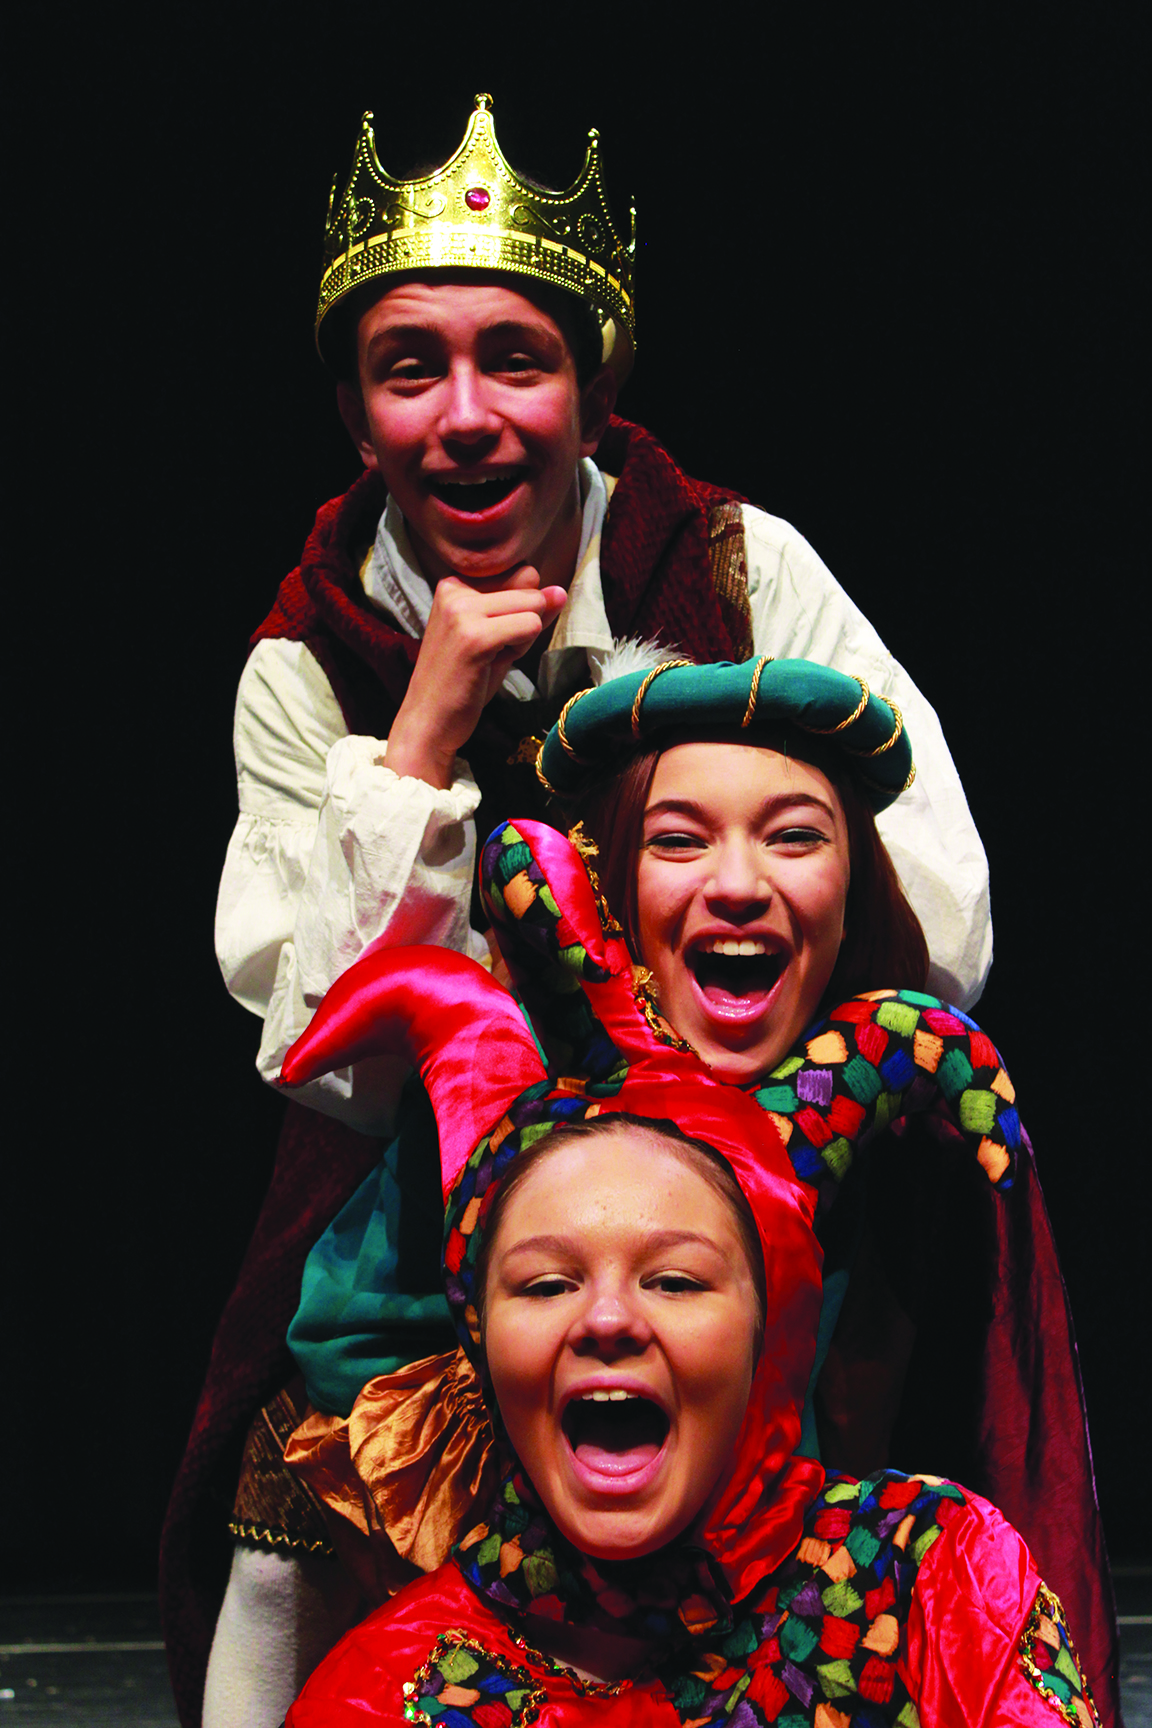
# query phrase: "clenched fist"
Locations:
[[476, 632]]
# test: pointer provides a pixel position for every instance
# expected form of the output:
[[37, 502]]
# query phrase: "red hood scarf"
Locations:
[[615, 1054]]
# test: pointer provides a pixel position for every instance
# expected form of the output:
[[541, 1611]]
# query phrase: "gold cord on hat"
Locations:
[[581, 761], [897, 717], [665, 666], [755, 690], [830, 731], [542, 777]]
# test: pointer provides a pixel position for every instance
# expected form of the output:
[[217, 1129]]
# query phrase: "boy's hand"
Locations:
[[476, 632]]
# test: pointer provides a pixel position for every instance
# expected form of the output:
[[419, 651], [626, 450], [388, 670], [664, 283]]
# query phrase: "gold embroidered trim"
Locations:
[[272, 1536], [727, 556], [665, 666], [528, 750], [586, 847], [1048, 1606], [646, 1002], [755, 690], [586, 1688]]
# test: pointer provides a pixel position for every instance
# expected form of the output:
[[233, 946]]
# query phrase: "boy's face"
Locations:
[[470, 409]]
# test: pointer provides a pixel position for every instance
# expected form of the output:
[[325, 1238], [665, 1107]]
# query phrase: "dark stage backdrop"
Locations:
[[884, 289]]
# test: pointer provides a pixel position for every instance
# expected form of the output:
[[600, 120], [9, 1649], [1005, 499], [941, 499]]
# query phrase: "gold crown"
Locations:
[[476, 213]]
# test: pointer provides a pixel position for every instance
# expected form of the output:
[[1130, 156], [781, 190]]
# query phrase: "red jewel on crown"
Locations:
[[477, 197]]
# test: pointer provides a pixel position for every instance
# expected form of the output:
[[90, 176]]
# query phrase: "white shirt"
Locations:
[[333, 850]]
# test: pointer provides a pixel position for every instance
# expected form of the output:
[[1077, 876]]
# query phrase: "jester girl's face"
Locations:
[[620, 1333], [741, 887]]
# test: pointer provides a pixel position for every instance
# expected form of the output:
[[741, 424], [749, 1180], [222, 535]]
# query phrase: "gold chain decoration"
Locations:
[[665, 666], [755, 690]]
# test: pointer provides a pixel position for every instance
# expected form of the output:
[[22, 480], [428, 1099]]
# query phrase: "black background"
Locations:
[[885, 289]]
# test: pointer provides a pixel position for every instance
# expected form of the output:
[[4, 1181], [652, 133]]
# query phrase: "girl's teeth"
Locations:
[[744, 949], [617, 1397]]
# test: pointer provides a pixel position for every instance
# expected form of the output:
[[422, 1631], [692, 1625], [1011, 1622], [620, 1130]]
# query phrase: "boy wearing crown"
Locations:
[[506, 532]]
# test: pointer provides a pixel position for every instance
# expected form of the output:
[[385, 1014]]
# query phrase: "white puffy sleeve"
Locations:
[[331, 851], [799, 610]]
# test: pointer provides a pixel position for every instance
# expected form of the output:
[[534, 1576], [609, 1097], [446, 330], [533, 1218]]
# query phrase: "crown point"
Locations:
[[593, 135], [483, 100]]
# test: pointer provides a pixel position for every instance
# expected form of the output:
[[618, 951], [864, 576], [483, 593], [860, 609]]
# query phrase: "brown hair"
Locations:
[[884, 945], [697, 1154]]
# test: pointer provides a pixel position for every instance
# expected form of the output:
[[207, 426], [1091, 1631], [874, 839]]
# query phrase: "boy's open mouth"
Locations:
[[474, 495], [614, 1433], [736, 970]]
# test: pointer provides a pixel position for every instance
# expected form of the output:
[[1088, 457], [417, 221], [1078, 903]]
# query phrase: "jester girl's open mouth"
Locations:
[[735, 975], [614, 1434]]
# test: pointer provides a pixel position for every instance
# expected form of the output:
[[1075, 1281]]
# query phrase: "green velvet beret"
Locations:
[[600, 729]]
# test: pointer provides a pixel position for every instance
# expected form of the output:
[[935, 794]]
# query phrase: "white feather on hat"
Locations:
[[629, 654]]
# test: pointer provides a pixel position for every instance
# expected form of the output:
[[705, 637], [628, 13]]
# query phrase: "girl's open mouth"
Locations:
[[737, 976], [474, 496], [614, 1433]]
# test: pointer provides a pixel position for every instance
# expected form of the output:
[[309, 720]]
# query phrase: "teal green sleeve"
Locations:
[[371, 1298]]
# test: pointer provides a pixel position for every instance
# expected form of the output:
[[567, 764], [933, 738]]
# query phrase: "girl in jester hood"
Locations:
[[632, 1264]]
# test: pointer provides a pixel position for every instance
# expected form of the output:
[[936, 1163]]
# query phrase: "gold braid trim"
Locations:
[[897, 729], [755, 690], [582, 761], [888, 742], [665, 666], [543, 778], [272, 1536], [830, 731]]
